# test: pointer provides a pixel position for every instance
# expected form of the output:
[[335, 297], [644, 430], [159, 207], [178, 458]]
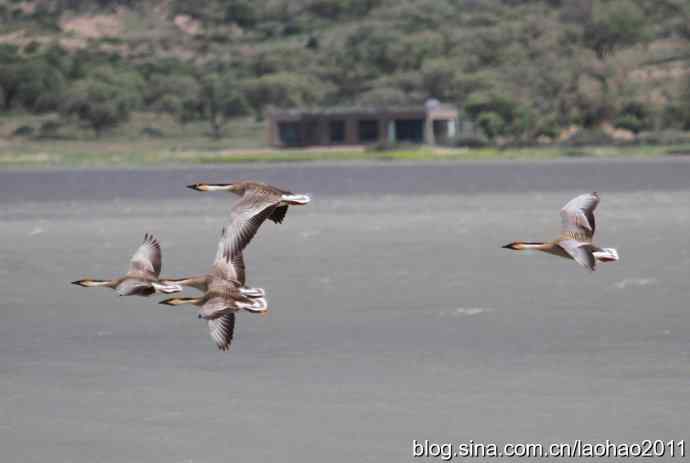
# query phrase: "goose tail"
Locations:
[[606, 255], [253, 292], [166, 288], [258, 305], [296, 200]]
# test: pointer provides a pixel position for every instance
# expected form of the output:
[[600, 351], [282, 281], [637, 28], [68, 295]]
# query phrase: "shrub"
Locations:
[[23, 131], [152, 132], [589, 137], [49, 129], [470, 141], [491, 123], [629, 122], [41, 86], [221, 100], [102, 100], [283, 90]]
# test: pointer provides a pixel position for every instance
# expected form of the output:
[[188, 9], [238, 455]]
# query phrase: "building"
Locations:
[[430, 123]]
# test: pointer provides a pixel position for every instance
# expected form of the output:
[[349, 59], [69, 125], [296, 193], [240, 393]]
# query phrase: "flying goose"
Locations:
[[223, 295], [142, 277], [258, 202], [235, 272], [577, 230]]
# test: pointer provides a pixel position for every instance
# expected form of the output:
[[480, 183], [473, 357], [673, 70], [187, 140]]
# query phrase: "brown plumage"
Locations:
[[258, 202], [223, 285], [142, 277], [223, 295], [577, 231]]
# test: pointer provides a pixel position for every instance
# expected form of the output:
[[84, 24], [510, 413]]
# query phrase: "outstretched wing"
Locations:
[[577, 217], [230, 267], [246, 216], [581, 252], [222, 330], [146, 261]]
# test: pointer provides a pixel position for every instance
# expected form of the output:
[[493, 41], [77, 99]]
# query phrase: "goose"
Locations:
[[258, 202], [235, 272], [224, 295], [577, 230], [142, 277]]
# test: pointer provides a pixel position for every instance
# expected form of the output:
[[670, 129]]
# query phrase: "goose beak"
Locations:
[[196, 186], [509, 246]]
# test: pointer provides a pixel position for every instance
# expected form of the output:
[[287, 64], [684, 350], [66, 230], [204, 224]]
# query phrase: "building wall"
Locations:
[[315, 129]]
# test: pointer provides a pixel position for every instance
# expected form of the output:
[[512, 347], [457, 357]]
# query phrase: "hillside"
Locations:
[[520, 70]]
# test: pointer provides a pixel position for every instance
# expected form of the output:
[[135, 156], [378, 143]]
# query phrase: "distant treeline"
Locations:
[[519, 69]]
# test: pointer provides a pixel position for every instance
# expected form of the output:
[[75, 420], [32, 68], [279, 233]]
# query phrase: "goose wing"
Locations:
[[146, 261], [577, 217], [580, 252], [226, 265], [222, 330], [246, 216]]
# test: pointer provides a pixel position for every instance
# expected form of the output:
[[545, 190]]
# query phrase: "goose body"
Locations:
[[142, 278], [577, 232], [258, 202], [224, 294]]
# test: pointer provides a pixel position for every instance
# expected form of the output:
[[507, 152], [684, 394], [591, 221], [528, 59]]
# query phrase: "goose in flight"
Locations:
[[233, 272], [142, 277], [224, 295], [577, 230], [258, 202]]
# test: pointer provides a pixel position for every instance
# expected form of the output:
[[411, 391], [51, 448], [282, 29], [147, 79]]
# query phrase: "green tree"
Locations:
[[481, 103], [40, 87], [105, 98], [221, 100], [96, 103], [10, 77], [283, 90], [492, 124], [177, 95], [613, 25]]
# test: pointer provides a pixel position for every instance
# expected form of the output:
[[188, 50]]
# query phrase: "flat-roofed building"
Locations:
[[430, 123]]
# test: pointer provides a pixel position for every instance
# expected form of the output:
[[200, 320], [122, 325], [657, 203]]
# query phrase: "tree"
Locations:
[[9, 74], [283, 90], [439, 78], [385, 96], [613, 25], [177, 95], [221, 100], [607, 26], [105, 98], [40, 87], [491, 123]]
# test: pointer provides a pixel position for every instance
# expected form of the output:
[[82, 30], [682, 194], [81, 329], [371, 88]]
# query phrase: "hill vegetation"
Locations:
[[521, 70]]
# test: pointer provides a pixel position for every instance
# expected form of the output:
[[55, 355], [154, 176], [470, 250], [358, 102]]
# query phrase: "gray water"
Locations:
[[395, 315]]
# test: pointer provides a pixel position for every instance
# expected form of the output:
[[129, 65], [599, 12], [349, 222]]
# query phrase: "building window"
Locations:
[[441, 130], [409, 130], [368, 131], [289, 133], [336, 130]]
